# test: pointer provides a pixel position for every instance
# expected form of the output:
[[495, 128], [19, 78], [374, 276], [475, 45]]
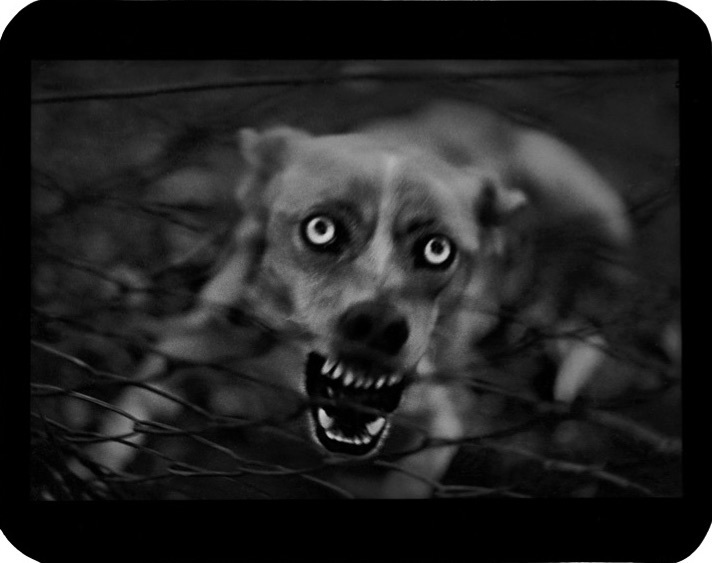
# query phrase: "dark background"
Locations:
[[133, 164]]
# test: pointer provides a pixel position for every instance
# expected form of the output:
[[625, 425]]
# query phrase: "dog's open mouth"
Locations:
[[357, 399]]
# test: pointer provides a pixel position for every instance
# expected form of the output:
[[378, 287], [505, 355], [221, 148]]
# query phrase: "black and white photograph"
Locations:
[[372, 279], [356, 287]]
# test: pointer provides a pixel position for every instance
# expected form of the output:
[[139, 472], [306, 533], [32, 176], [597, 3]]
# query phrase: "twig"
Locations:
[[660, 443], [550, 464], [419, 75]]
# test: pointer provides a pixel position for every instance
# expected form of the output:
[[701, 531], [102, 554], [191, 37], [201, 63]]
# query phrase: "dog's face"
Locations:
[[366, 246]]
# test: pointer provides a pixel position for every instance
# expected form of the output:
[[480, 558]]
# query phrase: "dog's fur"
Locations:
[[534, 231]]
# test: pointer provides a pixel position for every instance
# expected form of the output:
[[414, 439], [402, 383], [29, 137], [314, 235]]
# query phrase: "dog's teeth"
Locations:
[[325, 420], [341, 438], [395, 378], [360, 440], [338, 371], [381, 381], [367, 382], [349, 377], [376, 426], [328, 364]]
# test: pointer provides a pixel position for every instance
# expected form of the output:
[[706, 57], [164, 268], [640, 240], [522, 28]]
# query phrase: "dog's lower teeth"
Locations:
[[376, 426], [325, 420], [355, 440], [381, 381], [335, 434]]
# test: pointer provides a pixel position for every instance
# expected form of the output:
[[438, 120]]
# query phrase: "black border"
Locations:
[[447, 530], [257, 30]]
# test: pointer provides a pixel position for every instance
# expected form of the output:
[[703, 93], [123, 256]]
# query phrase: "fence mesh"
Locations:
[[133, 168]]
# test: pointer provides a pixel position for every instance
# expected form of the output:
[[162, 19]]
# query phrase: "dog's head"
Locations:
[[362, 245]]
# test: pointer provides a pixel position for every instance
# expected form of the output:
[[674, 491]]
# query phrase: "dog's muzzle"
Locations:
[[351, 403]]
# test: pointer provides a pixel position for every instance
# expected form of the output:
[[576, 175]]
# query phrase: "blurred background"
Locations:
[[133, 165]]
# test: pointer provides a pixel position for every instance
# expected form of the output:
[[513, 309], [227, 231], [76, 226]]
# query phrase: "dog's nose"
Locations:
[[375, 325]]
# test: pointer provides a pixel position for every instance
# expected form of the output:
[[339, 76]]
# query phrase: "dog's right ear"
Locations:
[[263, 154]]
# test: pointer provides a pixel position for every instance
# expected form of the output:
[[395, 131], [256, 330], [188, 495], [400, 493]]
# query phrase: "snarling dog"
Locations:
[[376, 262]]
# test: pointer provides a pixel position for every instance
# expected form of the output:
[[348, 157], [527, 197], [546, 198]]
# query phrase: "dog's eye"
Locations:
[[434, 251], [321, 232]]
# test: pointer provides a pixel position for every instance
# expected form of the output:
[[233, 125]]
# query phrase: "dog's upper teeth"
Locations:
[[325, 420], [335, 369], [376, 426], [349, 378], [328, 364]]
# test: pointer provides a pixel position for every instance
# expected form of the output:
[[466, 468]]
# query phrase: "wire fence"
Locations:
[[133, 167]]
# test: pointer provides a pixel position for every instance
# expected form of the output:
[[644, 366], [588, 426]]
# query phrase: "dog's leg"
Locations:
[[418, 474], [438, 414], [194, 338], [134, 405], [580, 357]]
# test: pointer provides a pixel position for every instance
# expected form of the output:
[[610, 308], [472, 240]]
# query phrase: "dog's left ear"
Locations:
[[496, 209], [567, 190], [497, 204]]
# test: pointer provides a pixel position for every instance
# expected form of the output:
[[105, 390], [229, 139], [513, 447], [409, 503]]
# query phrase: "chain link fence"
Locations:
[[133, 169]]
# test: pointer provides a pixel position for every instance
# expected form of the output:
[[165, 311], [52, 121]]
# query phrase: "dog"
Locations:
[[365, 277]]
